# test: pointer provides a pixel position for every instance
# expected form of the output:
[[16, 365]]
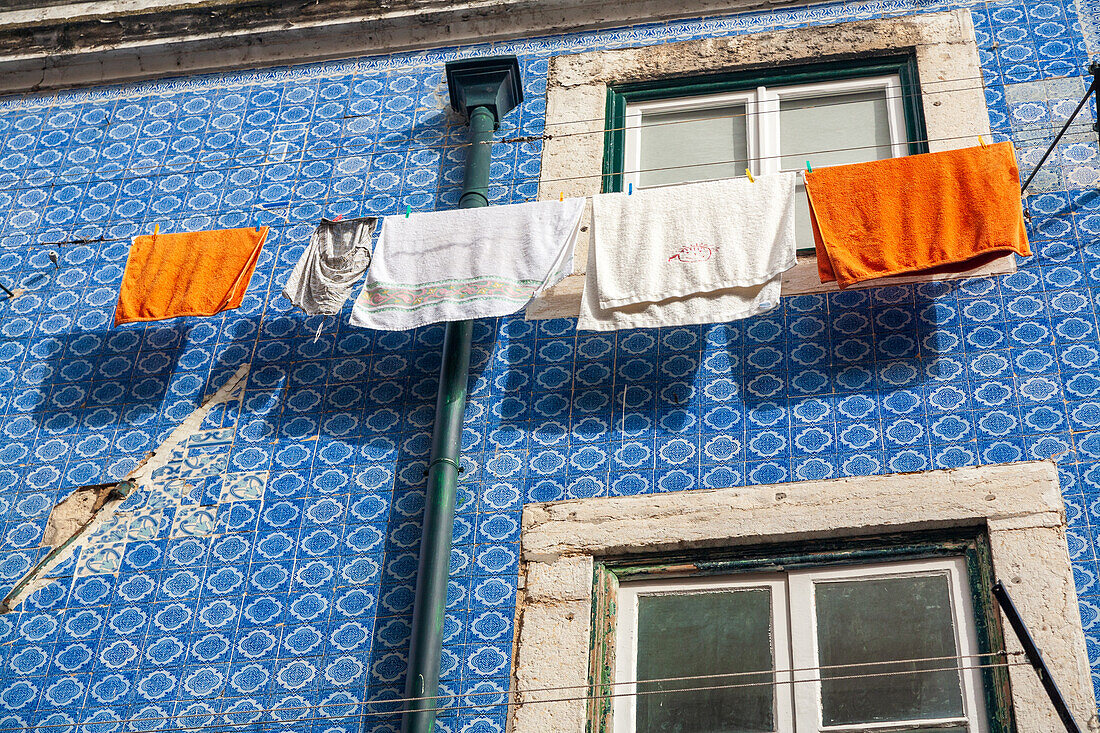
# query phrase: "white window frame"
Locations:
[[626, 644], [763, 131], [794, 637], [632, 158], [807, 694]]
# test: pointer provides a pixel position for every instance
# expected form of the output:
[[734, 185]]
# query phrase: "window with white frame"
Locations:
[[589, 93], [765, 129], [844, 649]]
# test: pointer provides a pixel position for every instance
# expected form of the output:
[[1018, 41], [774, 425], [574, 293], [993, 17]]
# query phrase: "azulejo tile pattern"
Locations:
[[267, 579]]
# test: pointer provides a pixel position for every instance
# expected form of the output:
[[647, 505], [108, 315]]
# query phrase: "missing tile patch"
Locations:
[[89, 513], [68, 524], [75, 512]]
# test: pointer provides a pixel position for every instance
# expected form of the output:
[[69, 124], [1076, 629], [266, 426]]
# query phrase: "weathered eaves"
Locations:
[[45, 45]]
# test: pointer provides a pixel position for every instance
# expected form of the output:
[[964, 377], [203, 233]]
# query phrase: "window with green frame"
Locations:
[[893, 633], [764, 121]]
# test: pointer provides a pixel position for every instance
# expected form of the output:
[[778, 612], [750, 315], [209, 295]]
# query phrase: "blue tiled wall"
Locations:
[[268, 576]]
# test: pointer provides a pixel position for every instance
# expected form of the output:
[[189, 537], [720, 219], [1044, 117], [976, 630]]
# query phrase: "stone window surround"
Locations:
[[1019, 505], [948, 67]]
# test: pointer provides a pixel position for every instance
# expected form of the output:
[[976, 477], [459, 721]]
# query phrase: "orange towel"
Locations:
[[187, 274], [923, 213]]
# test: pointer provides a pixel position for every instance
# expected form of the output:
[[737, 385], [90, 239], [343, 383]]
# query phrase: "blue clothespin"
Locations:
[[809, 167], [630, 189]]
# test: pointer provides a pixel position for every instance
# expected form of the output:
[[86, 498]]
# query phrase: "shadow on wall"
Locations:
[[108, 394], [621, 412], [559, 415], [553, 414]]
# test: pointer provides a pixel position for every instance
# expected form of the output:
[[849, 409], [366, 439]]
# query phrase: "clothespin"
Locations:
[[981, 140], [53, 259], [749, 174], [338, 217], [809, 168], [156, 229], [630, 189], [561, 198], [408, 210]]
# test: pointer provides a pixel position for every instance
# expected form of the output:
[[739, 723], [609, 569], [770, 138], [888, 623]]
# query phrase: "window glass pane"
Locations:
[[700, 634], [879, 620], [854, 127], [685, 142]]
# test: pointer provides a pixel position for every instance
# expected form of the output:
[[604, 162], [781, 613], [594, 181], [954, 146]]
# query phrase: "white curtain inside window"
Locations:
[[834, 129], [831, 130], [693, 145]]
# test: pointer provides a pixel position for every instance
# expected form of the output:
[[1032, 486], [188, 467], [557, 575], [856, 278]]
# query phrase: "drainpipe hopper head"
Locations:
[[486, 82]]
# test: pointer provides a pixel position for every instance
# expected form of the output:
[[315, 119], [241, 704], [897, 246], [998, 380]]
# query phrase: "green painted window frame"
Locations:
[[618, 97], [971, 543]]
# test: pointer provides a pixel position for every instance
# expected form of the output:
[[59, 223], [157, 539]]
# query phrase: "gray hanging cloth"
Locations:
[[337, 256]]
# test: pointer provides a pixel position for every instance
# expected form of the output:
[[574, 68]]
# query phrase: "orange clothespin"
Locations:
[[749, 174], [561, 197], [156, 229]]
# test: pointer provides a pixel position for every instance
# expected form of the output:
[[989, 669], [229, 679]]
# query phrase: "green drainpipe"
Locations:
[[484, 90]]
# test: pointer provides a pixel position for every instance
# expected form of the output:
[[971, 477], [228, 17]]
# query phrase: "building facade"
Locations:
[[925, 438]]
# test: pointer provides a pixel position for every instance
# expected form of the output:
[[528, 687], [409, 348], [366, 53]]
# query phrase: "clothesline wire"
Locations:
[[917, 93], [1081, 126], [74, 178], [759, 157], [745, 114], [595, 693], [246, 158], [286, 217]]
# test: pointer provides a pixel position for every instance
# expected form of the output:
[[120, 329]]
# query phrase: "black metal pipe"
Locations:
[[1093, 88], [1033, 656]]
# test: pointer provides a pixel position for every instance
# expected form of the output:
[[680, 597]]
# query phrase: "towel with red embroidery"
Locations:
[[695, 253]]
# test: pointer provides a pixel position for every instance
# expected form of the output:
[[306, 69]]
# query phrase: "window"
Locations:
[[1005, 522], [862, 627], [920, 56], [857, 635], [705, 129]]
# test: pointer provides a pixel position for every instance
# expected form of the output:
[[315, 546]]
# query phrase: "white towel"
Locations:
[[699, 253], [466, 263], [337, 256]]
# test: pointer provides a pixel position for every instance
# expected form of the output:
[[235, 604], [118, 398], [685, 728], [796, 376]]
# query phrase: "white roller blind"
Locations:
[[693, 145], [834, 129]]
